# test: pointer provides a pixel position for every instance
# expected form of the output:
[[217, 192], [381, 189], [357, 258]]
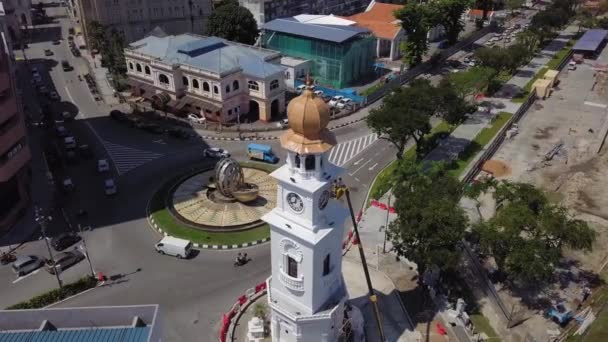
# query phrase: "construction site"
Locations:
[[560, 146]]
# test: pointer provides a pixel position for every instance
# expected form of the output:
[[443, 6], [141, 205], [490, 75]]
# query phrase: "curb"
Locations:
[[204, 246], [76, 295]]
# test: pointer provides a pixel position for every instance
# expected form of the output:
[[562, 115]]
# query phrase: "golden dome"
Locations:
[[308, 118]]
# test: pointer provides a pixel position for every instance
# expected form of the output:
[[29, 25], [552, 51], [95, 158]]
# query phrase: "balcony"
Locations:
[[296, 284], [20, 156], [5, 79], [8, 107], [11, 133]]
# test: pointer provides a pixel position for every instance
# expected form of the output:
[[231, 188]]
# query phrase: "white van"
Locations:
[[174, 246]]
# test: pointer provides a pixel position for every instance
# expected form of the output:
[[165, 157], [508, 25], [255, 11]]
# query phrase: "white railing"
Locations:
[[296, 284]]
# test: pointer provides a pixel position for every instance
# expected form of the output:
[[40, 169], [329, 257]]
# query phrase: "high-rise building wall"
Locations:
[[266, 10], [17, 17], [14, 151], [135, 18]]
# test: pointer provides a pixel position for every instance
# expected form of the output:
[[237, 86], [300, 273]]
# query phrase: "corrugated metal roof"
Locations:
[[591, 40], [139, 334], [208, 53], [332, 33]]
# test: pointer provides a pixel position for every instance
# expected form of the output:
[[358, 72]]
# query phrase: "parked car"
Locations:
[[42, 89], [174, 246], [65, 65], [262, 152], [318, 92], [68, 185], [64, 240], [48, 52], [343, 102], [64, 260], [300, 88], [215, 152], [26, 264], [334, 100], [109, 187], [69, 142], [195, 118], [56, 42], [572, 65], [118, 115], [102, 165]]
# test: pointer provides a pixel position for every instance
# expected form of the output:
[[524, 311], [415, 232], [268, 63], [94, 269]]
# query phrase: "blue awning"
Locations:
[[591, 40]]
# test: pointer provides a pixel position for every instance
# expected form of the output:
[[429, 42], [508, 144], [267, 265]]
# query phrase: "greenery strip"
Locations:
[[56, 295]]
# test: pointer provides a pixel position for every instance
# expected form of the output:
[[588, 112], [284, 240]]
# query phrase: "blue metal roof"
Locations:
[[208, 53], [332, 33], [139, 334], [591, 40]]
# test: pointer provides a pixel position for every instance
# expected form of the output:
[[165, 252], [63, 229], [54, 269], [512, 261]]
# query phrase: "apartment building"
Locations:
[[14, 152], [135, 18], [218, 79], [266, 10], [17, 17]]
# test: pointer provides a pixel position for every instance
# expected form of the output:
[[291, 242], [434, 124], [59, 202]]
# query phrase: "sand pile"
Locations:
[[496, 168]]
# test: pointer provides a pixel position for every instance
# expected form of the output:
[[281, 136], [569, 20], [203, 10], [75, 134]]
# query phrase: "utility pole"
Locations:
[[86, 251], [388, 211], [42, 221], [372, 296]]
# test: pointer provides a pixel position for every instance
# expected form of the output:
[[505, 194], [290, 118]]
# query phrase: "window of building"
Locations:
[[130, 65], [292, 267], [236, 109], [229, 111], [185, 80], [326, 265], [287, 75], [138, 67], [195, 84], [227, 89], [162, 78], [274, 84], [309, 163], [253, 85], [216, 90], [205, 86], [147, 70], [297, 160], [235, 85]]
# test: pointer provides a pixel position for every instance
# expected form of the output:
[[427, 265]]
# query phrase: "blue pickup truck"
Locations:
[[262, 153]]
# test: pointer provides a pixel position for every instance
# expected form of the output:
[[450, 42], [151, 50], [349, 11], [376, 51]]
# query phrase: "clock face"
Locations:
[[323, 199], [295, 202]]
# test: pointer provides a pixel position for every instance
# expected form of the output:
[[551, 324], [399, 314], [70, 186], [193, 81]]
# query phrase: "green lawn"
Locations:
[[482, 325], [165, 220], [382, 182], [559, 58], [482, 139]]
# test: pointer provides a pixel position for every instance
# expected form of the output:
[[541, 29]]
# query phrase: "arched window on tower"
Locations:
[[309, 163], [297, 160], [292, 267]]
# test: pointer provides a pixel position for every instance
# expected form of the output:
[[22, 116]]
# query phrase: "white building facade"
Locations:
[[306, 291], [218, 79]]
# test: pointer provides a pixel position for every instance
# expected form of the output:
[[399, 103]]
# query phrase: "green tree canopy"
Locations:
[[452, 106], [450, 16], [415, 22], [527, 234], [430, 222], [404, 114], [231, 21], [471, 81], [513, 5]]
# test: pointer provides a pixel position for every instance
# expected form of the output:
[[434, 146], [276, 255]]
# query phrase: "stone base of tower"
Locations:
[[323, 326]]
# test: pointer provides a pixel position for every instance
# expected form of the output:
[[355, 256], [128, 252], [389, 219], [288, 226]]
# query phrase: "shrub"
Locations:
[[56, 295]]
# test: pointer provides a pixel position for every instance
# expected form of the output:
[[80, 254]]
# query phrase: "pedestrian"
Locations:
[[238, 258], [245, 257]]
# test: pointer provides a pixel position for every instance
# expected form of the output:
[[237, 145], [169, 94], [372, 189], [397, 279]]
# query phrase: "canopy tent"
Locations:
[[591, 40]]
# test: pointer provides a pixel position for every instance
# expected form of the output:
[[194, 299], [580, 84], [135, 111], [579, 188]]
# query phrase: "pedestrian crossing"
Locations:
[[126, 158], [343, 152]]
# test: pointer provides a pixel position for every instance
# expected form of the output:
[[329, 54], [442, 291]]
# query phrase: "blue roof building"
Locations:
[[341, 53], [210, 76], [139, 323]]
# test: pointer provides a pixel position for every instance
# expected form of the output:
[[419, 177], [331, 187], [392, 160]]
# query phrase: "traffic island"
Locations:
[[216, 207]]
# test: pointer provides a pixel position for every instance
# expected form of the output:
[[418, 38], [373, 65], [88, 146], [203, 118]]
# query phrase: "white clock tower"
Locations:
[[306, 291]]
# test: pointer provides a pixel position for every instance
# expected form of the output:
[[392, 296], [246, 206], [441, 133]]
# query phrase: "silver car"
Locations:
[[26, 264], [64, 260]]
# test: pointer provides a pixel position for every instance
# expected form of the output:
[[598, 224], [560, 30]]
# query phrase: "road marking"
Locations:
[[160, 141], [357, 162], [347, 150], [26, 276], [593, 104], [373, 167], [127, 158], [359, 168]]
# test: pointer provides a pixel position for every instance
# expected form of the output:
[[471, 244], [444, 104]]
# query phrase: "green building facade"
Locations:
[[334, 64]]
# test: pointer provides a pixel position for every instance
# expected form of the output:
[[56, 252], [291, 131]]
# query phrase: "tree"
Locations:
[[404, 115], [231, 21], [97, 35], [450, 16], [529, 40], [451, 105], [527, 234], [415, 22], [430, 223], [585, 19], [491, 58], [515, 4]]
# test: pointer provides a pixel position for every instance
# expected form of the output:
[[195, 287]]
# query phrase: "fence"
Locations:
[[426, 66]]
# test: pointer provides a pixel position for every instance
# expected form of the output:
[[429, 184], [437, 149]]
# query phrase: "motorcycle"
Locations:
[[240, 262], [7, 258]]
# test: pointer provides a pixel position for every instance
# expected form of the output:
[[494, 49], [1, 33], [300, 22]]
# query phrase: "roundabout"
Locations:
[[217, 207]]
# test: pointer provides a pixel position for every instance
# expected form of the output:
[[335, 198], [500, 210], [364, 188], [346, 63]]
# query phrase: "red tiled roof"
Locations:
[[479, 13], [379, 19]]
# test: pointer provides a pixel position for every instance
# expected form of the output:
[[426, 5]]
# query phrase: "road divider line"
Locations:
[[26, 276], [373, 167], [359, 168]]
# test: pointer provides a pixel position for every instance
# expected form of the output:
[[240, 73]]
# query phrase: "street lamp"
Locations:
[[86, 251], [43, 221], [388, 211]]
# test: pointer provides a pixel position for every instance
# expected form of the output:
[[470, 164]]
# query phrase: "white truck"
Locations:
[[174, 246]]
